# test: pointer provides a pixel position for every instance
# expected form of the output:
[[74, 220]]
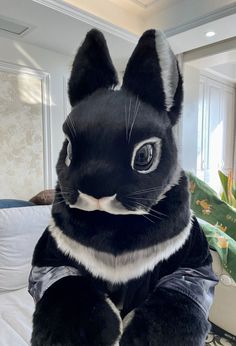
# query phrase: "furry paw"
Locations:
[[72, 313], [171, 320]]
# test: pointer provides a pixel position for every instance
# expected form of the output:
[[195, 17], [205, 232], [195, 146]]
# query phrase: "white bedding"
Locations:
[[20, 229], [16, 309]]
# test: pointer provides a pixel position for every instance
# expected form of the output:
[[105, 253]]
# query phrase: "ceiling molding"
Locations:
[[224, 78], [210, 50], [148, 5], [142, 4], [87, 18], [210, 17]]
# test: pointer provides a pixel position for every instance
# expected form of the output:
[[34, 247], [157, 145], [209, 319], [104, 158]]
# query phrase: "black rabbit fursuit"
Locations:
[[123, 261]]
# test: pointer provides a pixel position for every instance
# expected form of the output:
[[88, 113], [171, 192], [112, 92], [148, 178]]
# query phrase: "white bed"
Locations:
[[20, 228], [16, 309]]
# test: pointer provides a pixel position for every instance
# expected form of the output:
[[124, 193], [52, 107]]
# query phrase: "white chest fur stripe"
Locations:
[[117, 313], [121, 268], [169, 70]]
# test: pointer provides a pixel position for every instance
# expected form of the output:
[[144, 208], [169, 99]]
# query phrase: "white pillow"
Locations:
[[20, 229]]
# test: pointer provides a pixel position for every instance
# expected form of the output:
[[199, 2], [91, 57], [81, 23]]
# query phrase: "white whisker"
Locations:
[[143, 199], [138, 192], [148, 218], [146, 199], [157, 212], [129, 114], [126, 124], [150, 213], [134, 119], [72, 123], [63, 201]]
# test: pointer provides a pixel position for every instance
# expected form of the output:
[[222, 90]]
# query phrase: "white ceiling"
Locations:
[[222, 64], [151, 3], [224, 28], [63, 31], [144, 3], [227, 70], [57, 31]]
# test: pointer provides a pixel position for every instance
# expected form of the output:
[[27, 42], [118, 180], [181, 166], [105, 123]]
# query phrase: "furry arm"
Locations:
[[176, 312], [71, 312], [171, 316]]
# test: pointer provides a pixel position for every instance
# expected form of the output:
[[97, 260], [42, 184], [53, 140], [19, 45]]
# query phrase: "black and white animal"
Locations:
[[123, 261]]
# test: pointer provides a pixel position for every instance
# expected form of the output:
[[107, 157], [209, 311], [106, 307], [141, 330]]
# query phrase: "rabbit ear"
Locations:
[[92, 68], [152, 74]]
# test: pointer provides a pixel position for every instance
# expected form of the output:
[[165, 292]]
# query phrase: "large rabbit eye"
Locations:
[[146, 155], [69, 153], [143, 157]]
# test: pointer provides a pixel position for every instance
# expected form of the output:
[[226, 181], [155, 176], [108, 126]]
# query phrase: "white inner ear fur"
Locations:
[[157, 152], [68, 160], [169, 69], [120, 268]]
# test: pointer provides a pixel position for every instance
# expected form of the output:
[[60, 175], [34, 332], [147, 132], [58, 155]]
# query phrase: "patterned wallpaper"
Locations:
[[21, 135]]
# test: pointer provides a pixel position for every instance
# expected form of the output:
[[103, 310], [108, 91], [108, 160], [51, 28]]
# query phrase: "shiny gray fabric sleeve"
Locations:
[[41, 278], [198, 284]]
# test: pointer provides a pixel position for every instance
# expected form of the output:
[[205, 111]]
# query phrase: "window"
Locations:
[[215, 130]]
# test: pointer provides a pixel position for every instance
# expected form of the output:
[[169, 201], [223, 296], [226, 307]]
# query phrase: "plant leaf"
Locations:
[[224, 184]]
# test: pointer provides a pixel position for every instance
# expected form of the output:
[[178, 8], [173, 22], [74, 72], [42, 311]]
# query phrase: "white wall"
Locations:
[[189, 121], [189, 125], [218, 128], [58, 66]]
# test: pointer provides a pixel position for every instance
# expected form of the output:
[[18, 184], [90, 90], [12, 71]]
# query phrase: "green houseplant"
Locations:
[[228, 194]]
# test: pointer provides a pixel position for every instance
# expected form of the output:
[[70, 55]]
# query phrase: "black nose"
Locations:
[[99, 180]]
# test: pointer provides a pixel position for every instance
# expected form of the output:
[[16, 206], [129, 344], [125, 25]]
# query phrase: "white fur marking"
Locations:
[[173, 182], [117, 313], [169, 70], [108, 204], [128, 319], [116, 344], [121, 268]]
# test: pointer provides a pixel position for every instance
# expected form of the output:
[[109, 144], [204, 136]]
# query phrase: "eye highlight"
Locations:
[[69, 152], [143, 157], [146, 155]]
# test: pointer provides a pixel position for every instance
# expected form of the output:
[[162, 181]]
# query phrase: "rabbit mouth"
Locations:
[[107, 204]]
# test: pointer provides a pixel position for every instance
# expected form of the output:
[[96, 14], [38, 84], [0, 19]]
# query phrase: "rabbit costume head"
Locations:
[[119, 155]]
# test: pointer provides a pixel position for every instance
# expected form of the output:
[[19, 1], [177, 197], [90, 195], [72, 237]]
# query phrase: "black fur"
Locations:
[[103, 128], [143, 77], [92, 68], [78, 317], [157, 315], [143, 73], [166, 318]]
